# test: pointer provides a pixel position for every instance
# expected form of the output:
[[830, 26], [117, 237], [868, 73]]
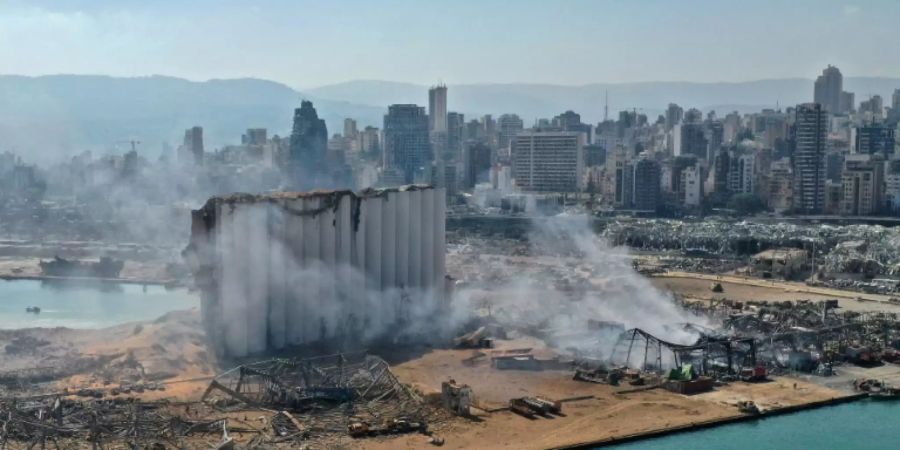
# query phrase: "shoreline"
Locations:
[[713, 423], [147, 282]]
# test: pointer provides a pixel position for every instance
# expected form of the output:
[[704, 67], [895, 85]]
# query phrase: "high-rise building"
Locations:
[[715, 137], [780, 186], [895, 99], [407, 149], [873, 106], [548, 161], [509, 126], [647, 173], [811, 130], [731, 126], [192, 149], [370, 141], [693, 115], [621, 174], [674, 114], [437, 109], [490, 130], [690, 189], [571, 121], [255, 136], [350, 130], [478, 161], [874, 138], [690, 139], [863, 185], [308, 149], [741, 174], [456, 134], [828, 89], [848, 102]]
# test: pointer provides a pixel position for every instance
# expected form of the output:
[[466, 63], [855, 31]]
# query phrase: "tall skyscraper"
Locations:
[[510, 125], [456, 132], [192, 149], [478, 161], [647, 173], [895, 99], [255, 136], [829, 91], [674, 114], [548, 161], [350, 130], [715, 138], [437, 109], [407, 149], [308, 147], [811, 130]]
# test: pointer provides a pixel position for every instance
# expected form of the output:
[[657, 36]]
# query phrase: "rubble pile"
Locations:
[[42, 421], [870, 250], [756, 338], [322, 397]]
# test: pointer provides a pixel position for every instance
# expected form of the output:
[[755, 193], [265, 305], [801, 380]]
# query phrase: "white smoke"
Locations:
[[576, 276]]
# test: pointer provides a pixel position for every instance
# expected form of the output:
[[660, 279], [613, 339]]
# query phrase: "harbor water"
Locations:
[[863, 425], [86, 305]]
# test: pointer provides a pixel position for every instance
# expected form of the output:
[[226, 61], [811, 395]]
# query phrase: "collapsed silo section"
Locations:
[[288, 269]]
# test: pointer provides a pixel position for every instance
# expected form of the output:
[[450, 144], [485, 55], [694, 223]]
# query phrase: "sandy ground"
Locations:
[[604, 416], [171, 350], [738, 288], [168, 350]]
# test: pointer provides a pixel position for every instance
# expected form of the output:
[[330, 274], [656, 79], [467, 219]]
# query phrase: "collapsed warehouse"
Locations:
[[753, 340], [844, 249], [287, 269]]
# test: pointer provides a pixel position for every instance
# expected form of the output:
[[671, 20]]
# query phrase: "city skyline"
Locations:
[[317, 44]]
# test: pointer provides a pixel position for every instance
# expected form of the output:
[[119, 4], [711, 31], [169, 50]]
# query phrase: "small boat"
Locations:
[[33, 309]]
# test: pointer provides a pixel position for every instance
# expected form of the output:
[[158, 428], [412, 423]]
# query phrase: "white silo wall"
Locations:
[[389, 232], [234, 302], [292, 268], [427, 237], [440, 241], [278, 313], [401, 264], [255, 221], [295, 238]]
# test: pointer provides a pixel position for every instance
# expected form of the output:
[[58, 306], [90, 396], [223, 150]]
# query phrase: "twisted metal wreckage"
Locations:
[[840, 249], [313, 400], [801, 336]]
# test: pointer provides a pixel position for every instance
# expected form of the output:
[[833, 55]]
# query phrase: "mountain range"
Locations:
[[61, 115], [546, 100]]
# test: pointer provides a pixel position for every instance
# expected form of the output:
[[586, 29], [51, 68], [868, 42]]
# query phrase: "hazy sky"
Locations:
[[307, 43]]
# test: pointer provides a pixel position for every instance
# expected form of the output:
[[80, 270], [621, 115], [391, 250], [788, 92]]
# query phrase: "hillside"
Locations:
[[61, 115]]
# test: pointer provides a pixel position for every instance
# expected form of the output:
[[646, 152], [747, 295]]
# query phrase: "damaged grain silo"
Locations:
[[285, 269]]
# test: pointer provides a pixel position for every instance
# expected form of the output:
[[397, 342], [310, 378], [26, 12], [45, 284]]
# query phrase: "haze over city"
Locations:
[[307, 44]]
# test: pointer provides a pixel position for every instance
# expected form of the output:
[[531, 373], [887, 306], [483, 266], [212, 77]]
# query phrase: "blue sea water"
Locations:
[[80, 305], [869, 425]]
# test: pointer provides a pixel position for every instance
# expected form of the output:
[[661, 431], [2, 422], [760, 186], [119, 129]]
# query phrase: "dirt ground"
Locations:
[[605, 415], [697, 286], [167, 351]]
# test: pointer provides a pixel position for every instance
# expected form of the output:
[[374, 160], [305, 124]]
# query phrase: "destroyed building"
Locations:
[[287, 269]]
